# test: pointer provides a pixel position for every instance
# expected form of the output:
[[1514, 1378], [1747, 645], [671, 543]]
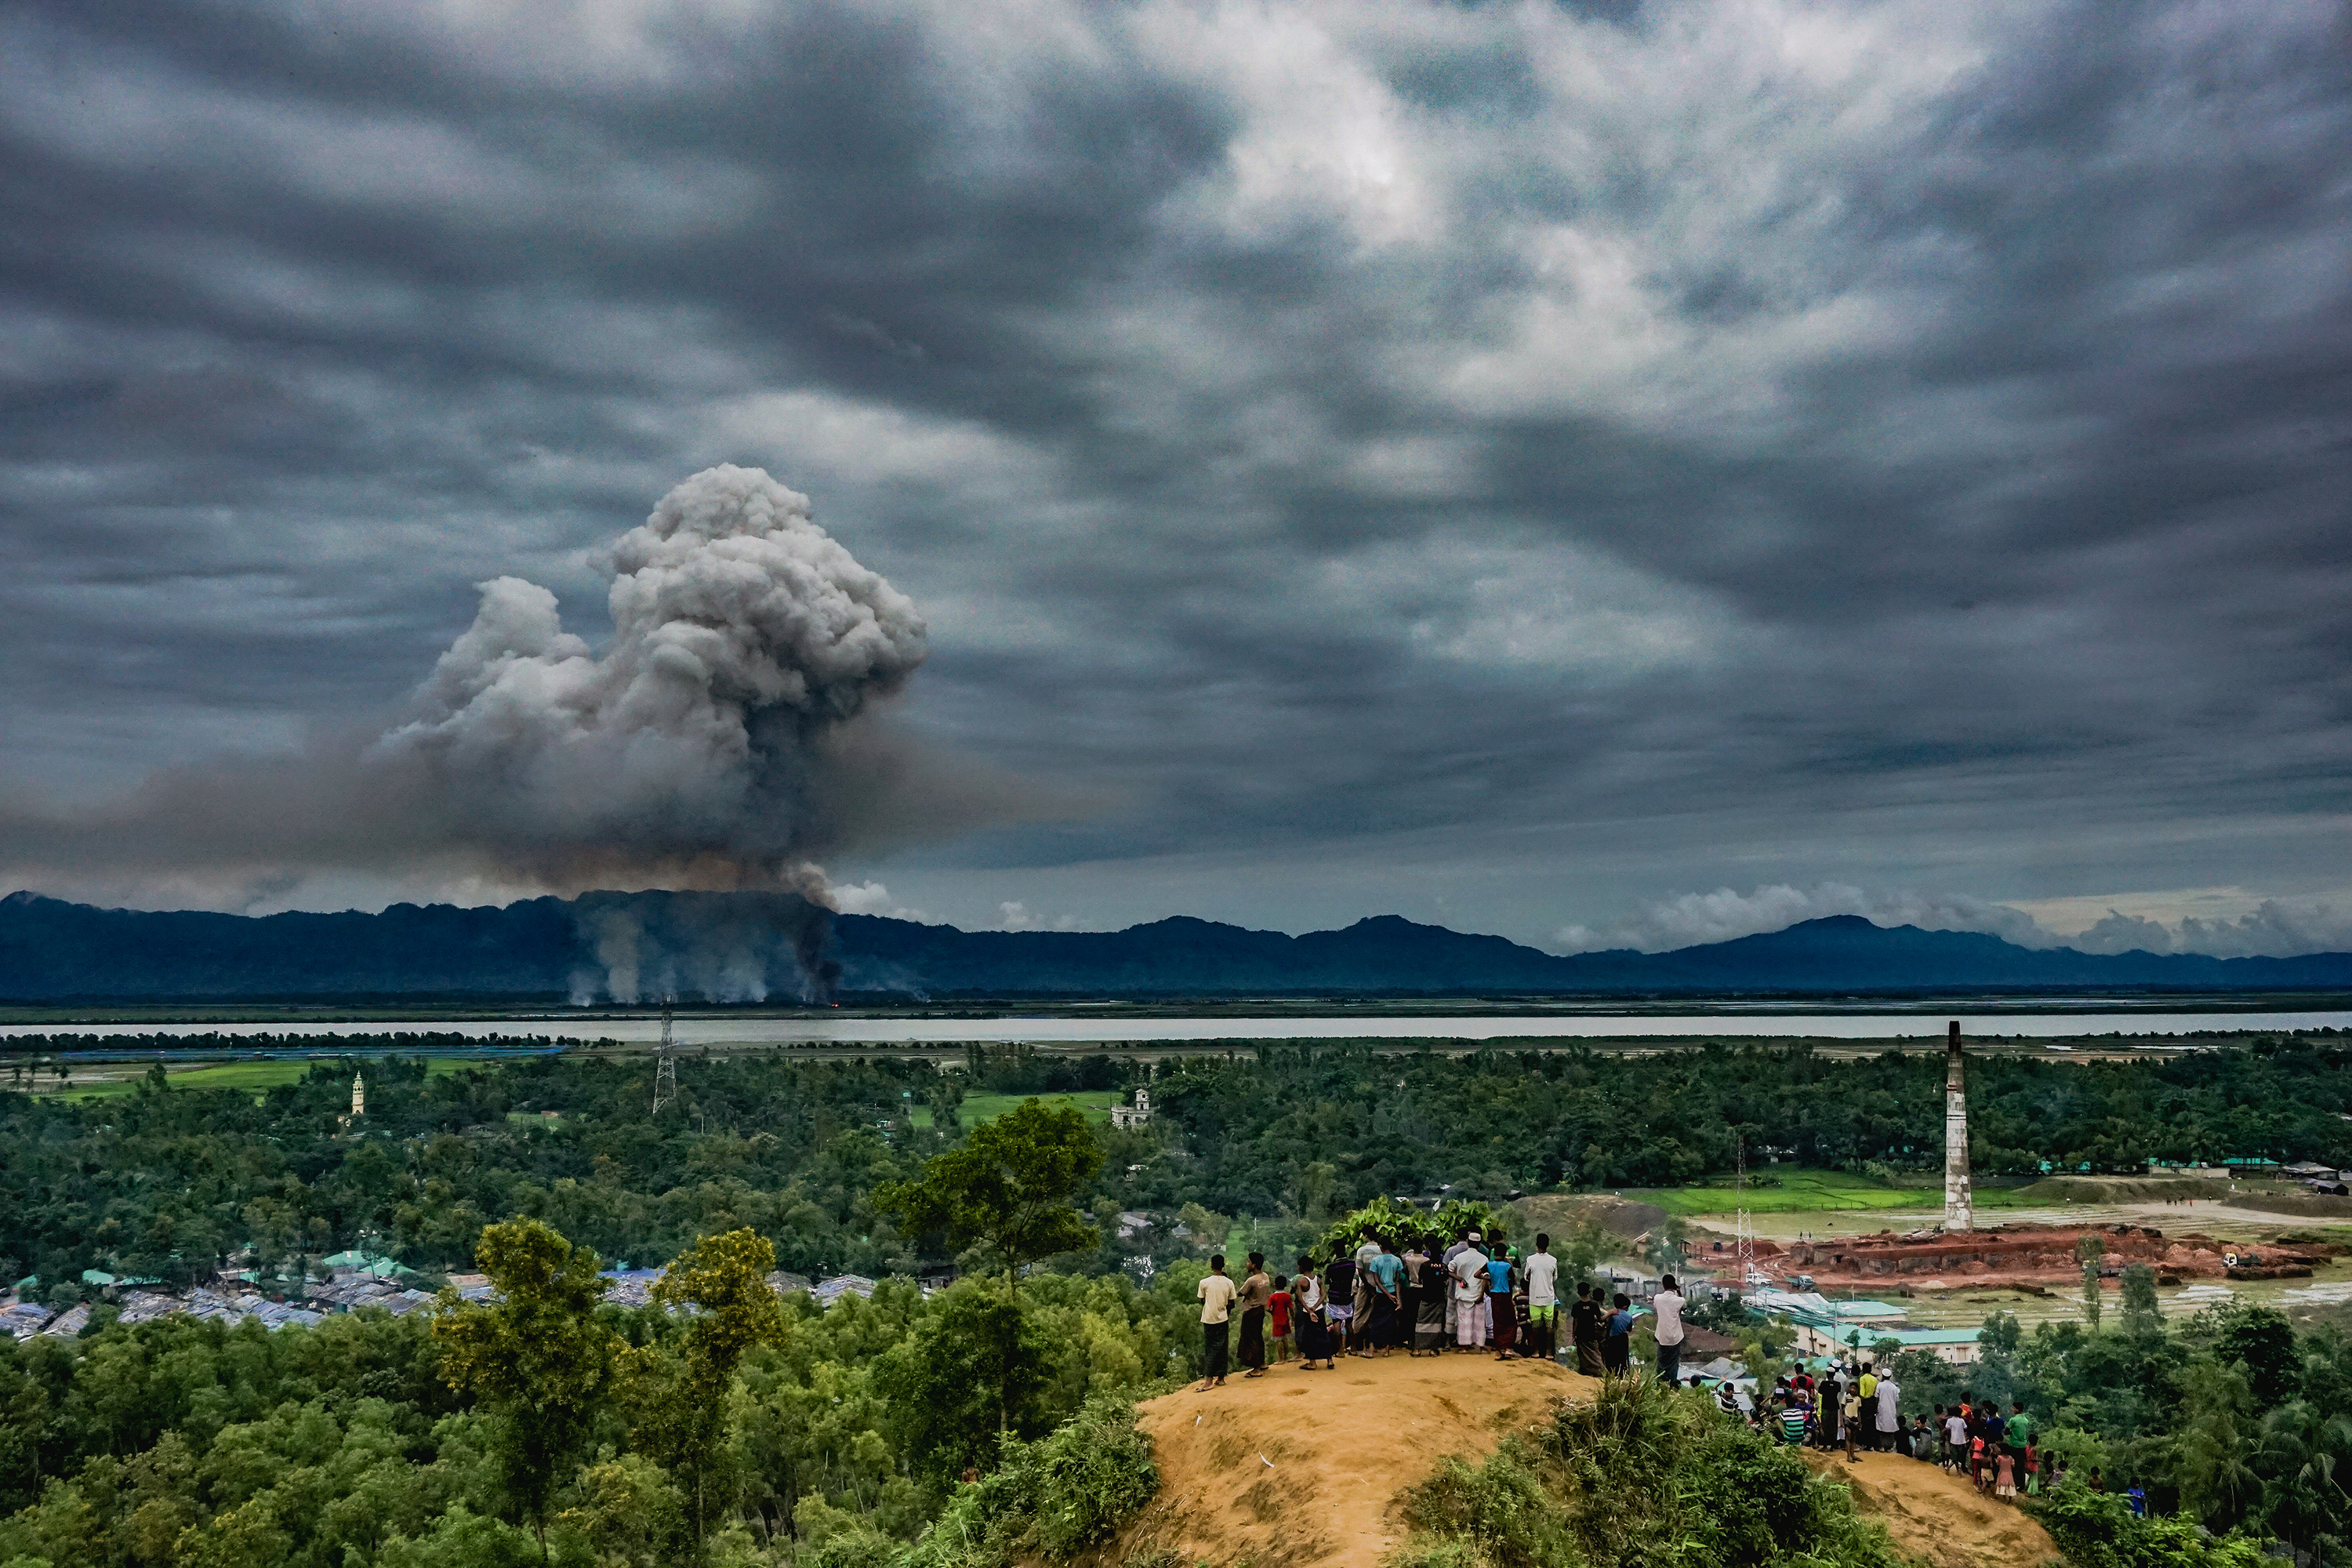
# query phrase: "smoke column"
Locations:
[[744, 635], [716, 744]]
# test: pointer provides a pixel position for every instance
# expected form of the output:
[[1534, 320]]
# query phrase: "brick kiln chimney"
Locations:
[[1956, 1135]]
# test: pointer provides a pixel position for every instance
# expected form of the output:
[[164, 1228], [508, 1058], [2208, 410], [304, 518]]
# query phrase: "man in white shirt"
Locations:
[[1469, 1270], [1216, 1292], [1542, 1271], [1446, 1262], [1888, 1420], [1668, 1305]]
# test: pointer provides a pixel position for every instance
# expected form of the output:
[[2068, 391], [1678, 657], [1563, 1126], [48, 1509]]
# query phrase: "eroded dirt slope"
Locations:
[[1302, 1467], [1937, 1518]]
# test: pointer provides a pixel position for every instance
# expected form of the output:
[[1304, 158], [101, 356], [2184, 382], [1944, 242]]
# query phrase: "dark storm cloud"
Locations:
[[1591, 450]]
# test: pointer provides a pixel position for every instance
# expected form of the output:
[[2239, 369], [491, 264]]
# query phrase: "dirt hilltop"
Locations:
[[1938, 1519], [1305, 1468], [1301, 1466]]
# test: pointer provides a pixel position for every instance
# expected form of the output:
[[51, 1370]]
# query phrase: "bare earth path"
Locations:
[[1937, 1518], [1301, 1466], [1304, 1468]]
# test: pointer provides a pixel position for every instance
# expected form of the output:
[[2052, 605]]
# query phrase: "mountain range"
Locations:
[[750, 947]]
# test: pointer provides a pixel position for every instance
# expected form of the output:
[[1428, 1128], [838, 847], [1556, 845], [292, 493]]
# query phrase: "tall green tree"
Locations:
[[683, 1404], [2214, 1442], [2142, 1317], [1009, 1190], [537, 1357], [2090, 1250], [979, 1356]]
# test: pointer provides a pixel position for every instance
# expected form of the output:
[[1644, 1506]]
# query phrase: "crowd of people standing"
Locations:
[[1857, 1408], [1474, 1295], [1486, 1298]]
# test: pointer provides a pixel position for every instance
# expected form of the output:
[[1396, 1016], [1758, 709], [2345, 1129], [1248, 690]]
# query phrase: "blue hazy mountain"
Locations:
[[738, 945]]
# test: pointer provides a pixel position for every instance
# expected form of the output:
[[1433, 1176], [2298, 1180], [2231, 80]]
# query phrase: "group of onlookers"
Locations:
[[1373, 1299], [1377, 1297], [1471, 1295], [1855, 1408]]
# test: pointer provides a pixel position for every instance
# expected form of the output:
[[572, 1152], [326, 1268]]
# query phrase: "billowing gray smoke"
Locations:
[[723, 947], [744, 635], [716, 744]]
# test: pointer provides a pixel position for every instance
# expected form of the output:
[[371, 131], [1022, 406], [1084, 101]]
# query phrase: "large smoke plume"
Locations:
[[695, 749], [718, 742]]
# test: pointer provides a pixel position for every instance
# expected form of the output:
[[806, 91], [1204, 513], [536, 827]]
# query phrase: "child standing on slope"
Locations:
[[1617, 1336]]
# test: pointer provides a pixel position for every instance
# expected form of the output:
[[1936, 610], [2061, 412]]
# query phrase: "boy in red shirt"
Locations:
[[1277, 1320]]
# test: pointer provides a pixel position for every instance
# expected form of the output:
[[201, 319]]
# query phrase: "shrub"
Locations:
[[1498, 1510], [1641, 1474], [2098, 1529], [1091, 1476], [1402, 1222], [1056, 1497]]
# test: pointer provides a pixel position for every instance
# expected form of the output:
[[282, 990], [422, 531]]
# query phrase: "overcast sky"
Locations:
[[1609, 472]]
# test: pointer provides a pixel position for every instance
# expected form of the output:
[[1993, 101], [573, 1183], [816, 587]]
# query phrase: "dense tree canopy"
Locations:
[[169, 1182], [739, 1431]]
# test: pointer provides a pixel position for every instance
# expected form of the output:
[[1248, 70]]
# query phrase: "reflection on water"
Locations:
[[1142, 1031]]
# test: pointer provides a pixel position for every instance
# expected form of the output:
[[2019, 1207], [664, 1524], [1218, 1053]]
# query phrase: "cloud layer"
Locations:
[[2275, 929], [1489, 462]]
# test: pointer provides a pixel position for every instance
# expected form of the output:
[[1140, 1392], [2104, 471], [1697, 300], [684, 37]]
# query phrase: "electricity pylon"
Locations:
[[665, 1064]]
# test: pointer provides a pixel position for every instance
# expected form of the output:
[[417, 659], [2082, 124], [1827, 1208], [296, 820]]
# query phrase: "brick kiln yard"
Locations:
[[2034, 1255]]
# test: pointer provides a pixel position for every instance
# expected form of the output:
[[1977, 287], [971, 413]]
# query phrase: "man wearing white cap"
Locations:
[[1468, 1268]]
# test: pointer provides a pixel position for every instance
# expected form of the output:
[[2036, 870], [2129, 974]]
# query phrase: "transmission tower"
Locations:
[[665, 1063]]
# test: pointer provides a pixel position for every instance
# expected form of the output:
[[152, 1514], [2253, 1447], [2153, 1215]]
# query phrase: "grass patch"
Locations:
[[256, 1077], [1802, 1190], [1798, 1190], [1095, 1102]]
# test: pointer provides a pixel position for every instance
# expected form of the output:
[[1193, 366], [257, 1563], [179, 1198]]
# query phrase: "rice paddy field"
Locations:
[[1793, 1189], [1095, 1102], [257, 1077]]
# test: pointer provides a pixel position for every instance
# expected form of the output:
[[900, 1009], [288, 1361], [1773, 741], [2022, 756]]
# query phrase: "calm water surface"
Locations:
[[1142, 1031]]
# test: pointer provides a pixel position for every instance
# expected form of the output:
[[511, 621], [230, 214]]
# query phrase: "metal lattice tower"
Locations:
[[665, 1062]]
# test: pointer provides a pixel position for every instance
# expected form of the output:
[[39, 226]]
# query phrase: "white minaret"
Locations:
[[359, 1095], [1957, 1203]]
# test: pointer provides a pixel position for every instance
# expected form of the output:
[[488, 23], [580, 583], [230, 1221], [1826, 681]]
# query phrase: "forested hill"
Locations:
[[1843, 953], [742, 946]]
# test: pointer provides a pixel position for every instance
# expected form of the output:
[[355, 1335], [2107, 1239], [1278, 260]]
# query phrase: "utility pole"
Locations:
[[665, 1063]]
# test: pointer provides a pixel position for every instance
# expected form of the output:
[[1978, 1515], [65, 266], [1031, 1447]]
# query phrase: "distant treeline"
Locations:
[[406, 1040]]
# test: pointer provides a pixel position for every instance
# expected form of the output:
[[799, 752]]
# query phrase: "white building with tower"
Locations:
[[1135, 1115]]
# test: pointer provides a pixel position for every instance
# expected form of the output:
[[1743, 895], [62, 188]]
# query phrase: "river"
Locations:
[[921, 1030]]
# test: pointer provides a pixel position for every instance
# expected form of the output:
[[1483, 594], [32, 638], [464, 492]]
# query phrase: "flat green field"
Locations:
[[256, 1077], [1809, 1190], [1095, 1102]]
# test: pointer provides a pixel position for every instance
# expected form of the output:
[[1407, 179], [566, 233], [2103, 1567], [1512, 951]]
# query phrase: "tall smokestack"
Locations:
[[1956, 1135]]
